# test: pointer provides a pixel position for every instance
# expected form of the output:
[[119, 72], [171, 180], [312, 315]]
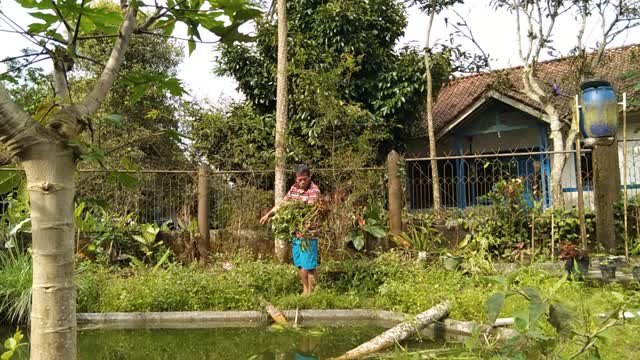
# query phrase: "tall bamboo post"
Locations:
[[624, 172], [395, 194], [583, 231], [203, 212]]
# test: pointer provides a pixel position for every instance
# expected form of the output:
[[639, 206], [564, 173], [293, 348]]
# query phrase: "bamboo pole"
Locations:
[[576, 119], [624, 173], [553, 236]]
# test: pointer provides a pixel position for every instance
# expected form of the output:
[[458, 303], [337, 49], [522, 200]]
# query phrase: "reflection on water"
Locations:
[[263, 343]]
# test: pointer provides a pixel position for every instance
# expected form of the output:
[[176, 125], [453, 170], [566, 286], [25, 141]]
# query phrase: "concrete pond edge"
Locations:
[[448, 329]]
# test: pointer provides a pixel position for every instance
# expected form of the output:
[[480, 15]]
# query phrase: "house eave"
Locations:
[[483, 100]]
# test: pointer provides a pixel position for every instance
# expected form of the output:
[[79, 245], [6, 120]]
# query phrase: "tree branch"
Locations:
[[92, 102], [60, 83], [177, 38], [469, 35], [74, 38], [62, 19], [22, 56], [17, 130], [157, 15]]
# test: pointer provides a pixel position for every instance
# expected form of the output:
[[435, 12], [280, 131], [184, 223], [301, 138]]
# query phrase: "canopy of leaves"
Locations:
[[139, 118], [349, 89]]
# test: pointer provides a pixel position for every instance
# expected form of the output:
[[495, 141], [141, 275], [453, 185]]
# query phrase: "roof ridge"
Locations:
[[556, 60]]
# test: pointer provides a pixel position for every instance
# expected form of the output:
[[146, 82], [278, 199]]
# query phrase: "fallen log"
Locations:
[[398, 333], [275, 314]]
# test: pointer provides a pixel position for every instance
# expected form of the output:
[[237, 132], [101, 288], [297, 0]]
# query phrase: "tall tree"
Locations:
[[45, 149], [281, 120], [535, 22], [432, 7], [343, 57]]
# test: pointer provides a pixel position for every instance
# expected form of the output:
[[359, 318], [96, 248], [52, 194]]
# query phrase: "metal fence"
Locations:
[[466, 179]]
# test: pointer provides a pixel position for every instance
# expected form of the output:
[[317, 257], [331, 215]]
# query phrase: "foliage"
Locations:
[[545, 326], [420, 233], [15, 285], [139, 118], [371, 222], [12, 345], [350, 90], [633, 221], [293, 217], [566, 224]]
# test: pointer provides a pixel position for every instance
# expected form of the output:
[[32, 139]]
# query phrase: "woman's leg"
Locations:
[[304, 278], [311, 280]]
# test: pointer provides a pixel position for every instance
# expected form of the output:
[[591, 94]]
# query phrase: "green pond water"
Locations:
[[262, 343]]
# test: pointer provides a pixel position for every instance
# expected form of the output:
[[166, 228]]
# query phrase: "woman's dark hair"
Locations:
[[303, 169]]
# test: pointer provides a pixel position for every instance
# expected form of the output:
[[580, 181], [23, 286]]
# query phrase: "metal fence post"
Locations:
[[395, 194], [203, 212]]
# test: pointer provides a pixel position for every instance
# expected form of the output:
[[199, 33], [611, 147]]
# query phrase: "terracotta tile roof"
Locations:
[[461, 93]]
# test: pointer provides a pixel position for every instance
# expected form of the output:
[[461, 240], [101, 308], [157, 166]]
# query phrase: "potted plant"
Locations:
[[608, 270], [636, 273], [576, 259], [452, 258]]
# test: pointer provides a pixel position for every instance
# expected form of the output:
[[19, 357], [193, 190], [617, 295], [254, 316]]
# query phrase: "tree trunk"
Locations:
[[398, 332], [50, 168], [558, 160], [435, 178], [281, 120]]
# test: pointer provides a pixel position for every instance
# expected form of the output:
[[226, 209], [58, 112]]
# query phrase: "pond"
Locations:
[[256, 343]]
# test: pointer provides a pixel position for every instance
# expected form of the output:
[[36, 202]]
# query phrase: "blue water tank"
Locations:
[[599, 112]]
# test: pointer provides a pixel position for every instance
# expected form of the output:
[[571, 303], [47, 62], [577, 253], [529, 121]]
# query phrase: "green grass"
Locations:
[[15, 286]]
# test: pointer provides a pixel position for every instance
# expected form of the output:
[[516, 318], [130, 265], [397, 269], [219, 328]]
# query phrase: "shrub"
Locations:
[[15, 285]]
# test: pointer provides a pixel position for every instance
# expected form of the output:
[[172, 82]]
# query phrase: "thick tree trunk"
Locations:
[[281, 120], [398, 332], [50, 168]]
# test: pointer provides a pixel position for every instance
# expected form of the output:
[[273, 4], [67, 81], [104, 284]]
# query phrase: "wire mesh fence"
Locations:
[[237, 199]]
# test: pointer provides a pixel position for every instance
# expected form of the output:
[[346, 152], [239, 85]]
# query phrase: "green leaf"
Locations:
[[47, 18], [533, 294], [494, 305], [123, 178], [10, 343], [560, 319], [521, 321], [192, 45], [175, 135], [115, 119], [37, 28], [376, 231], [7, 355], [536, 309], [9, 180]]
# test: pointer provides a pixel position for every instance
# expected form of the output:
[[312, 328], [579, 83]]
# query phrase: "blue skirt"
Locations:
[[305, 253]]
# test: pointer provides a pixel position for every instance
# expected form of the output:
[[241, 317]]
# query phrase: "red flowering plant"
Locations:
[[570, 250]]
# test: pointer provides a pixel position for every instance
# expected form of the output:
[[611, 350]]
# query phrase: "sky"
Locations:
[[494, 31]]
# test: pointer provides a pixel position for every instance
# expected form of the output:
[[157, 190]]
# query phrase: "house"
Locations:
[[487, 129]]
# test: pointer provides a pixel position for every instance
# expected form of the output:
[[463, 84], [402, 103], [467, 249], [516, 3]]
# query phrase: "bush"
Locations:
[[15, 285]]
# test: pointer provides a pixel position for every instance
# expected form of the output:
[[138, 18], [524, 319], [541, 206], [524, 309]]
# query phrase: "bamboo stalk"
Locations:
[[576, 118], [624, 172]]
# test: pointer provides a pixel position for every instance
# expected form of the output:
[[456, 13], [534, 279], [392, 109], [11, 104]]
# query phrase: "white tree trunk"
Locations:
[[281, 121], [558, 160], [50, 168], [398, 333]]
